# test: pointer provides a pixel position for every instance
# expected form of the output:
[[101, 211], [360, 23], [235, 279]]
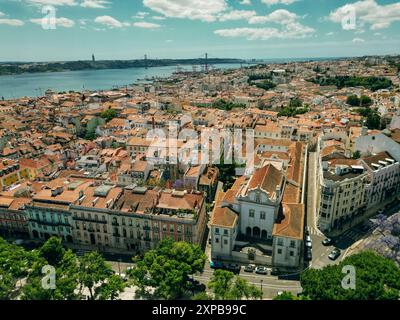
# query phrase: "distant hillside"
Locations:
[[34, 67]]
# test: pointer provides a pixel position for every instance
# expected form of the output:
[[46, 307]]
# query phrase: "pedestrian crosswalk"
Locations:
[[314, 231], [350, 234]]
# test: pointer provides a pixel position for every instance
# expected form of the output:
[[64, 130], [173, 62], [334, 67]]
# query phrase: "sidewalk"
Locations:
[[358, 220]]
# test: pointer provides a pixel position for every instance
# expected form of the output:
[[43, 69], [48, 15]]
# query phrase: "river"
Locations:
[[35, 84]]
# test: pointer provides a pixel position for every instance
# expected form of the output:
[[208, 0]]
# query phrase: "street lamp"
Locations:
[[119, 267], [261, 284]]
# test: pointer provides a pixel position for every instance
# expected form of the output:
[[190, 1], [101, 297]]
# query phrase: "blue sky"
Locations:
[[128, 29]]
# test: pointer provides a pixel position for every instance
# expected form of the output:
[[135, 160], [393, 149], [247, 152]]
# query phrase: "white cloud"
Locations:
[[54, 2], [95, 4], [2, 14], [293, 30], [205, 10], [146, 25], [369, 12], [110, 22], [280, 16], [358, 40], [12, 22], [60, 22], [245, 2], [330, 34], [272, 2], [141, 15], [237, 15], [158, 18]]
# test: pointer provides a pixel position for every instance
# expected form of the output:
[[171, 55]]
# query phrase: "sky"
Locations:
[[59, 30]]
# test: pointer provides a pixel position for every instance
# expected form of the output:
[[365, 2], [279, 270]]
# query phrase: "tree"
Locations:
[[52, 251], [164, 271], [201, 296], [266, 85], [226, 286], [66, 275], [111, 289], [289, 296], [377, 278], [7, 285], [109, 114], [93, 272], [388, 242], [353, 101], [373, 119], [294, 108], [357, 154]]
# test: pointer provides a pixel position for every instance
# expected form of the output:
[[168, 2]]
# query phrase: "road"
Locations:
[[270, 285]]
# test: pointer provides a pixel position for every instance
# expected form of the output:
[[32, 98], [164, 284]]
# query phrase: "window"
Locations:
[[216, 240], [225, 241], [226, 232], [262, 215], [279, 251], [291, 253], [292, 244], [280, 242], [251, 213], [217, 230]]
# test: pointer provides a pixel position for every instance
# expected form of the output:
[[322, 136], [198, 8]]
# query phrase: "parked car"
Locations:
[[233, 267], [307, 233], [261, 270], [328, 242], [308, 238], [308, 255], [308, 244], [209, 240], [216, 265], [275, 272], [334, 254], [249, 268]]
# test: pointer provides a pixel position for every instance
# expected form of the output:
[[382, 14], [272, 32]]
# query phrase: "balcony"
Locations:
[[89, 220], [146, 228], [116, 224]]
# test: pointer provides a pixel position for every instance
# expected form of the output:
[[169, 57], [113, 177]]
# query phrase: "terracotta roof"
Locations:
[[223, 217], [290, 223], [267, 178]]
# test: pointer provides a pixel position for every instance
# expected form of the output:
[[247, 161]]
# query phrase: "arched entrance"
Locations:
[[248, 231], [92, 238], [264, 234], [35, 234], [256, 232]]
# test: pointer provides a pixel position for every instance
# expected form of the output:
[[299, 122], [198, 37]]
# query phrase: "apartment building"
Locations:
[[384, 182], [13, 221], [11, 173], [342, 193], [133, 220], [48, 214]]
